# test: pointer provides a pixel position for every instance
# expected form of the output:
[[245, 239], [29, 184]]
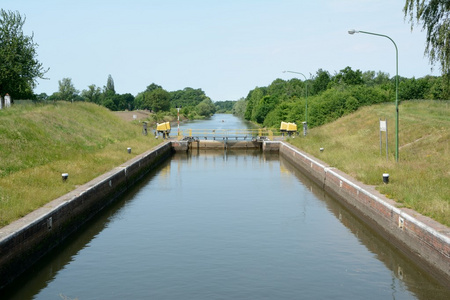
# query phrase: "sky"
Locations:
[[224, 47]]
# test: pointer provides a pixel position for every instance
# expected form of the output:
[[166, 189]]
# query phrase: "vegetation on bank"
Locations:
[[421, 178], [324, 97], [40, 142]]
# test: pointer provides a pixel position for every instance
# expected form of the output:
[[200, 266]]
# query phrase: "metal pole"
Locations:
[[306, 106], [178, 116], [396, 84]]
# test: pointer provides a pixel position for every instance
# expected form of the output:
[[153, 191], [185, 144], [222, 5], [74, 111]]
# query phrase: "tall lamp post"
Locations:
[[305, 124], [353, 31]]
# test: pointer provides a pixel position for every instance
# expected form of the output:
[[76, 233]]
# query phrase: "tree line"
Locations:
[[325, 97], [193, 103]]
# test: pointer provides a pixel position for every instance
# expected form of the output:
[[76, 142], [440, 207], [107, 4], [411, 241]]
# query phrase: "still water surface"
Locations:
[[226, 225]]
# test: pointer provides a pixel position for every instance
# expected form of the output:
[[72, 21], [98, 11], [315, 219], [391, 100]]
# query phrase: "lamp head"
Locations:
[[352, 31]]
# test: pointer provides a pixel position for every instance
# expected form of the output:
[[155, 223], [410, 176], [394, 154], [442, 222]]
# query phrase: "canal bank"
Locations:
[[27, 240], [426, 241]]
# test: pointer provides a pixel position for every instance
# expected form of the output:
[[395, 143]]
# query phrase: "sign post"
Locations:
[[383, 127]]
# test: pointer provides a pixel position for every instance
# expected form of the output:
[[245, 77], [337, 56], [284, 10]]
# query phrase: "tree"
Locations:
[[156, 100], [435, 18], [92, 94], [109, 88], [19, 67], [321, 81], [67, 90], [206, 108], [349, 77]]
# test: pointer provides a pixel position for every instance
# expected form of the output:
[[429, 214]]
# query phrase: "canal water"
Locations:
[[226, 225]]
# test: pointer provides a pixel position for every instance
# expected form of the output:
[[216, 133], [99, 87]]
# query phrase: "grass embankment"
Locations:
[[421, 178], [38, 143]]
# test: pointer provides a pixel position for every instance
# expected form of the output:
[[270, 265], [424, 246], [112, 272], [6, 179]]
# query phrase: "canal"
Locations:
[[226, 225]]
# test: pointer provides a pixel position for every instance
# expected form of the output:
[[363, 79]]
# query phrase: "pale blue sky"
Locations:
[[224, 47]]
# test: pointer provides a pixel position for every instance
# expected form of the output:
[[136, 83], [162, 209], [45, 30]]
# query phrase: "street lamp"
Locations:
[[305, 124], [353, 31]]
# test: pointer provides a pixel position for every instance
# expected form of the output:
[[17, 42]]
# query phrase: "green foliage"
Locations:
[[224, 106], [205, 108], [19, 67], [434, 16], [92, 94], [157, 100], [321, 81], [240, 107], [67, 90], [328, 99], [109, 88], [349, 77]]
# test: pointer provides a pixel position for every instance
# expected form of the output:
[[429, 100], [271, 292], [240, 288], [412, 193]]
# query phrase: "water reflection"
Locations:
[[226, 224], [405, 274]]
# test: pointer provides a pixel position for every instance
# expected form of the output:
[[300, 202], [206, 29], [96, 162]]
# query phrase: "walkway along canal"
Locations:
[[229, 224]]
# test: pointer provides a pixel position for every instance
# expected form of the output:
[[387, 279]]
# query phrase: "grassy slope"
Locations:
[[421, 178], [38, 143]]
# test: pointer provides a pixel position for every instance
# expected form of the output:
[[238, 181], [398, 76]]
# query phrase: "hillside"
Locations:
[[39, 143], [421, 178]]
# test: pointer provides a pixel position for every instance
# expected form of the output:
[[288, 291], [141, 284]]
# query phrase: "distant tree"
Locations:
[[67, 90], [224, 106], [19, 67], [206, 108], [153, 87], [240, 107], [157, 100], [42, 97], [109, 88], [349, 77], [92, 94], [123, 102], [320, 82]]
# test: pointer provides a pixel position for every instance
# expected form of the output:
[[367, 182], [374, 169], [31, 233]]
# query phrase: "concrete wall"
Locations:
[[423, 239], [25, 241]]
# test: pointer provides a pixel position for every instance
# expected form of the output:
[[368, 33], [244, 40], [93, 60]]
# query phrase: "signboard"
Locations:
[[383, 126]]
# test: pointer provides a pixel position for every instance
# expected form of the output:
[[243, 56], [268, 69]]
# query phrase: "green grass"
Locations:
[[38, 143], [421, 178]]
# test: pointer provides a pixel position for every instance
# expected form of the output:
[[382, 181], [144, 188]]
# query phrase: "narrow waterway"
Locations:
[[226, 225]]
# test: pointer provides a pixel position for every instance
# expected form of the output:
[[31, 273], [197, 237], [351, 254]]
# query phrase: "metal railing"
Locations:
[[229, 134]]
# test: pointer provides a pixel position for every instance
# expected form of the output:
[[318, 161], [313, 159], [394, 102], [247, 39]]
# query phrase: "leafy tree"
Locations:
[[157, 100], [240, 107], [206, 108], [153, 87], [349, 77], [435, 18], [19, 67], [265, 105], [67, 90], [109, 88], [188, 97], [123, 102], [321, 81], [92, 94], [224, 106]]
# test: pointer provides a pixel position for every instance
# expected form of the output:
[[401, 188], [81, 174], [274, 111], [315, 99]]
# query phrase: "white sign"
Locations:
[[383, 126]]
